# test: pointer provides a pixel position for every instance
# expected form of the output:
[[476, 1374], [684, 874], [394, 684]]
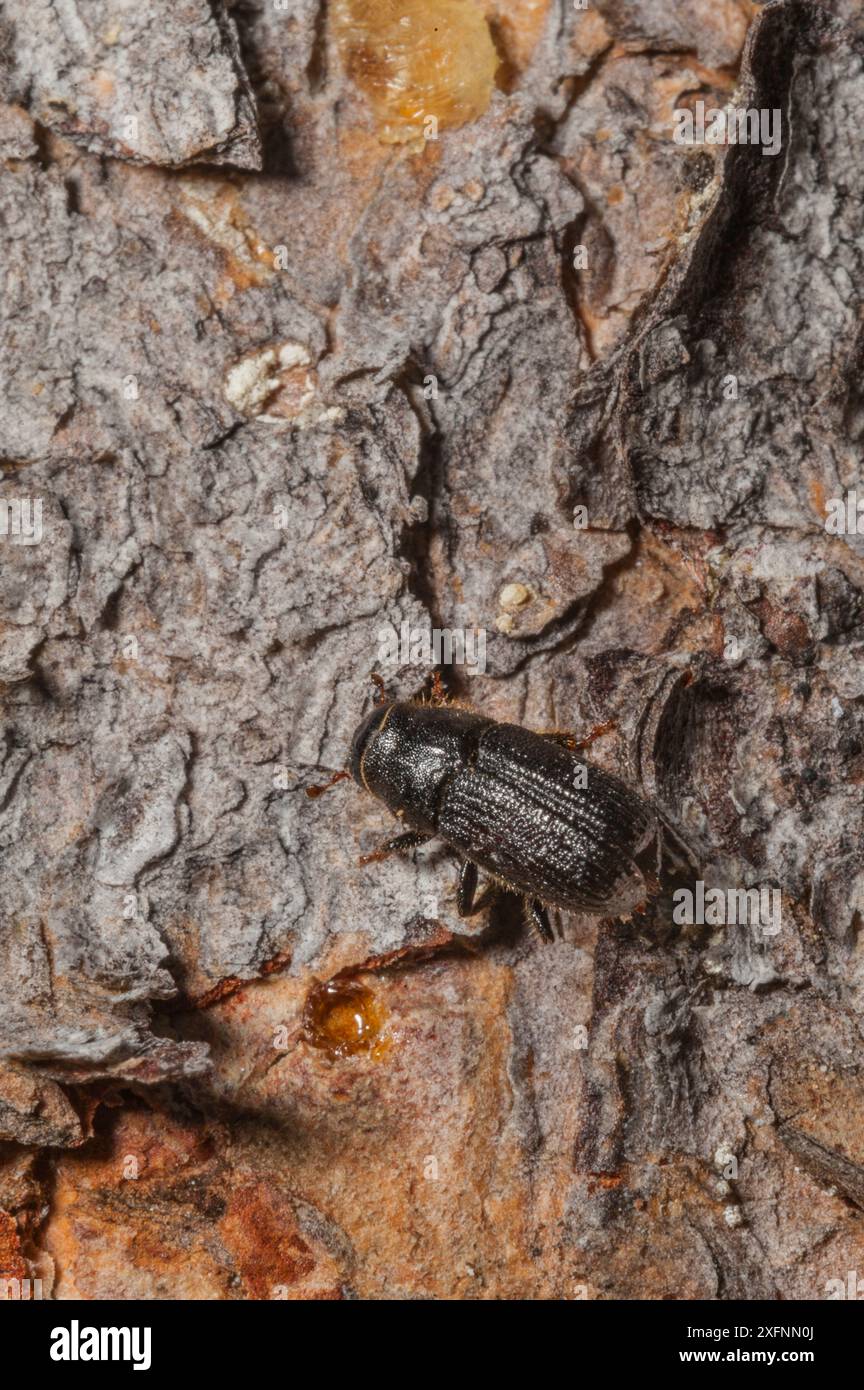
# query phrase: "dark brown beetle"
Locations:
[[524, 807]]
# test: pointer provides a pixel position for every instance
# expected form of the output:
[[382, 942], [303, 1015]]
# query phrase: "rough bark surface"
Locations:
[[273, 407]]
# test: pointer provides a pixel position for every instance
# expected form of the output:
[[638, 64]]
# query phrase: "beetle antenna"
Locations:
[[337, 777]]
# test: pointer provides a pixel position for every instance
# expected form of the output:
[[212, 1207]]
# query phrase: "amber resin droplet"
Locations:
[[343, 1017], [422, 64]]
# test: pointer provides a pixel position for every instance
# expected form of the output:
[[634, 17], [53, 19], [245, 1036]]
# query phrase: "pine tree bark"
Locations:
[[278, 387]]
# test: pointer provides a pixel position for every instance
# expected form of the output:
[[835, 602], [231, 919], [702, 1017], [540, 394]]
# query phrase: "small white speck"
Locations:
[[722, 1157], [293, 355]]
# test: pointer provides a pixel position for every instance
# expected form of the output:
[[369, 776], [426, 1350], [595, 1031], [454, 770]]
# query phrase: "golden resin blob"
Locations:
[[422, 64], [344, 1018]]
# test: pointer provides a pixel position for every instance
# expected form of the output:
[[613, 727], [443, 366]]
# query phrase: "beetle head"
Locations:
[[364, 734], [404, 752]]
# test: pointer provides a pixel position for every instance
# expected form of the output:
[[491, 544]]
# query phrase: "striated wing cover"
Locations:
[[520, 814]]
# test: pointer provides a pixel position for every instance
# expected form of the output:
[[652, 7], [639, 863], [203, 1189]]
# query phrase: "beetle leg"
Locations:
[[380, 688], [466, 888], [572, 742], [439, 694], [466, 903], [410, 840], [597, 732], [565, 740], [337, 777], [538, 917]]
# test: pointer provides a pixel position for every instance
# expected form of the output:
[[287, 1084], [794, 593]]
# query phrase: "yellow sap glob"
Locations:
[[343, 1018], [422, 64]]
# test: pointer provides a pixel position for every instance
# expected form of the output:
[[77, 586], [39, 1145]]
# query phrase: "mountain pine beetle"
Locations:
[[524, 807]]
